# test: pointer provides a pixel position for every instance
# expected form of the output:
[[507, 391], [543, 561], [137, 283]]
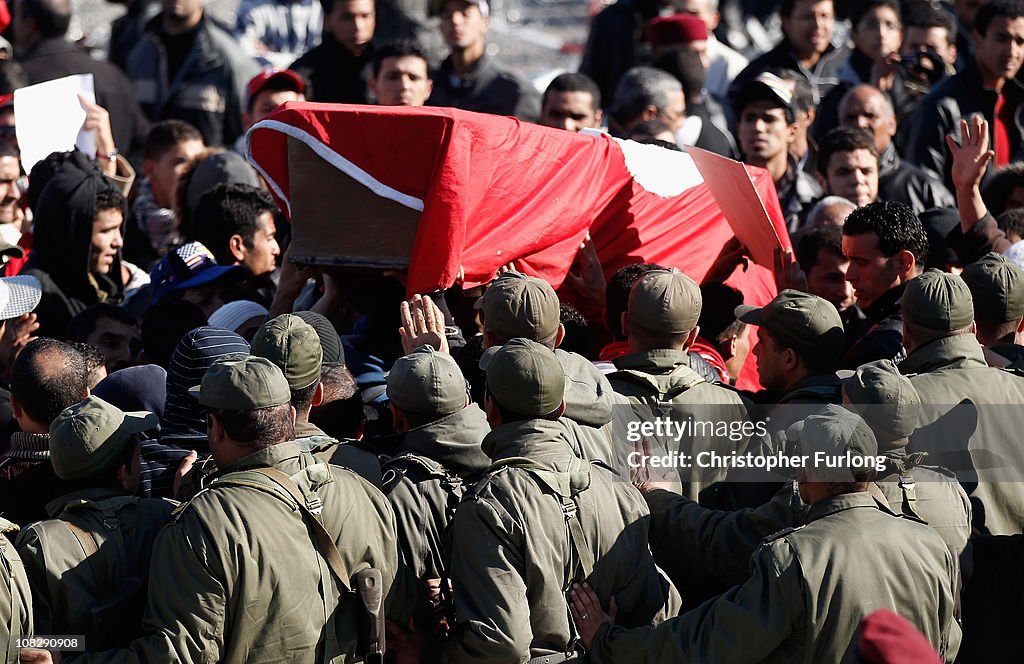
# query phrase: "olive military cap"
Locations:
[[665, 301], [525, 377], [833, 431], [938, 301], [997, 286], [88, 437], [806, 323], [294, 346], [427, 382], [884, 397], [516, 305], [237, 382]]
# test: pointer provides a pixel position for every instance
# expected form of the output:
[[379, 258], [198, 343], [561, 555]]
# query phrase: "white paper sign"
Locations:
[[49, 118]]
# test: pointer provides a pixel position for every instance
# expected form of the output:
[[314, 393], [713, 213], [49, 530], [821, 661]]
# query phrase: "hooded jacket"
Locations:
[[63, 246]]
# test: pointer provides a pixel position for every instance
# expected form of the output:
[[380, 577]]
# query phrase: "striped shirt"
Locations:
[[278, 31]]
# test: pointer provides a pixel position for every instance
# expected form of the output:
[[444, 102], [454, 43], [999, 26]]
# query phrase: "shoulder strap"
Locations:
[[87, 540], [310, 506], [13, 565]]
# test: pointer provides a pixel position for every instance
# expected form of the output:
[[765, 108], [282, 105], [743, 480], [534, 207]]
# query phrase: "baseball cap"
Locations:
[[884, 397], [833, 431], [997, 287], [938, 301], [676, 29], [242, 383], [524, 377], [766, 87], [427, 382], [19, 295], [188, 266], [807, 323], [516, 305], [261, 80], [293, 345], [665, 301], [87, 438], [330, 342]]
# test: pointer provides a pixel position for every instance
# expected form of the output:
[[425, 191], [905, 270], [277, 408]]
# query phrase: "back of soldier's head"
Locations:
[[294, 346], [426, 385], [47, 377], [664, 308], [616, 293], [519, 306], [886, 399], [935, 305], [997, 288], [341, 413], [525, 381]]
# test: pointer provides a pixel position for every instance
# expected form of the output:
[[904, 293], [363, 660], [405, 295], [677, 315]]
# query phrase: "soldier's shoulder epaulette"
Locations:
[[780, 534], [181, 508]]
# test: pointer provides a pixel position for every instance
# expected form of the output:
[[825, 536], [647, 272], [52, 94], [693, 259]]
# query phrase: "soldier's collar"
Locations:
[[835, 504]]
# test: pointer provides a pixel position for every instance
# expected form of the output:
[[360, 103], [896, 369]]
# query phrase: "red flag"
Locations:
[[493, 189]]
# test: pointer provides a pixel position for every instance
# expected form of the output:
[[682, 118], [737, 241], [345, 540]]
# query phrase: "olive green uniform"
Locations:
[[15, 596], [808, 591], [660, 383], [589, 404], [971, 423], [243, 581], [66, 586], [513, 556]]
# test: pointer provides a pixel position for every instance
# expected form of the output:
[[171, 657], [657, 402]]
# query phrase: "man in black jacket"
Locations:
[[339, 68], [865, 107], [40, 27]]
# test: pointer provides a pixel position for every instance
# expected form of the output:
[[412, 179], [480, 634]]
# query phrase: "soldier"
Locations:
[[970, 412], [437, 457], [88, 563], [260, 562], [810, 586], [15, 595], [540, 519], [515, 305], [294, 346], [655, 379], [891, 406], [997, 287]]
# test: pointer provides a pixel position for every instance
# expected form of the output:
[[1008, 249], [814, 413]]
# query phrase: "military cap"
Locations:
[[427, 382], [293, 345], [807, 323], [997, 286], [833, 432], [516, 305], [330, 342], [238, 382], [938, 301], [525, 377], [88, 438], [884, 397], [665, 301]]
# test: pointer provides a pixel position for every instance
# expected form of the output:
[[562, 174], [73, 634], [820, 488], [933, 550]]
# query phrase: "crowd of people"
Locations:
[[211, 453]]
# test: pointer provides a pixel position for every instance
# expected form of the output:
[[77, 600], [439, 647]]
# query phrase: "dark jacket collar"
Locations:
[[886, 305], [51, 46], [888, 161]]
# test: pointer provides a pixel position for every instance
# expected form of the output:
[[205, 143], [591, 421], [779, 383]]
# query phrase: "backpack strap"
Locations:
[[276, 483], [13, 564], [108, 508]]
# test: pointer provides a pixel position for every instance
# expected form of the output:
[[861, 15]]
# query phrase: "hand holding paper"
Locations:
[[51, 118]]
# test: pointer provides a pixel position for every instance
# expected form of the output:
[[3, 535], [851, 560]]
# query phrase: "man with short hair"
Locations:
[[236, 223], [866, 107], [829, 211], [170, 147], [94, 448], [645, 93], [968, 423], [109, 329], [819, 252], [186, 66], [572, 102], [928, 55], [887, 247], [249, 537], [337, 69], [988, 87], [848, 165], [660, 324], [806, 47], [809, 586], [401, 75], [997, 288], [540, 520], [469, 78], [47, 377], [294, 346], [765, 131], [40, 33]]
